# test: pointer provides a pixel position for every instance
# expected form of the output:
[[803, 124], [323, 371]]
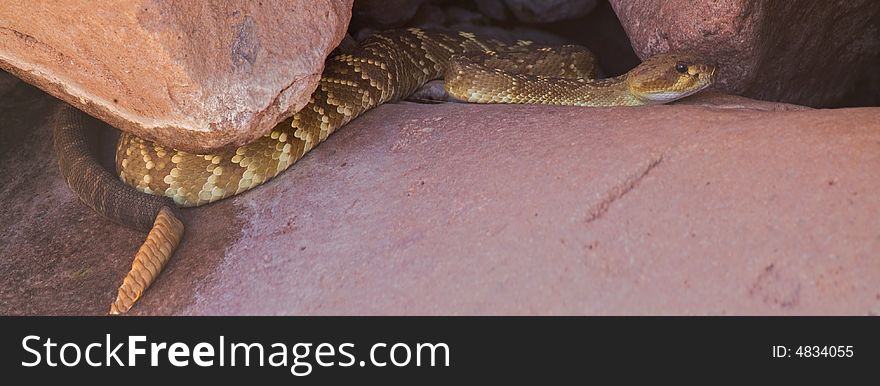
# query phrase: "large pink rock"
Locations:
[[817, 53], [190, 75], [717, 205]]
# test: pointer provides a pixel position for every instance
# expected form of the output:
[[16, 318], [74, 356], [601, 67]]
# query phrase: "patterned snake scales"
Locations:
[[387, 67]]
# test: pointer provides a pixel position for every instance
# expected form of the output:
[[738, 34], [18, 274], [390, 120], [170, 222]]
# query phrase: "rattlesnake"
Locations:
[[387, 67]]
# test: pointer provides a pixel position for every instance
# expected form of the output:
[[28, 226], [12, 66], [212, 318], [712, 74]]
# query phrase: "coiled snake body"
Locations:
[[387, 67]]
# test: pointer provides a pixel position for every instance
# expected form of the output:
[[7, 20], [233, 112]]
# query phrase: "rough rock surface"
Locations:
[[536, 11], [188, 75], [817, 53], [739, 207]]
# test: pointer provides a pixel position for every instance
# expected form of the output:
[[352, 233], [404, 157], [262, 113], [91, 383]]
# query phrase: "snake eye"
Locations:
[[681, 68]]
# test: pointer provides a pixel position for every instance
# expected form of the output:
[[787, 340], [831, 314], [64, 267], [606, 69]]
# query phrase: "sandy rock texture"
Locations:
[[189, 75], [717, 205], [817, 53]]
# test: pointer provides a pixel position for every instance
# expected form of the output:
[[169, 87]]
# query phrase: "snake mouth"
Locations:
[[702, 81]]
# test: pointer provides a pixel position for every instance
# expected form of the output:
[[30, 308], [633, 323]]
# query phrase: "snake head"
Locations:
[[667, 77]]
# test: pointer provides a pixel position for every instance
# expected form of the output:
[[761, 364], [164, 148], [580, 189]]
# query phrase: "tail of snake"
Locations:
[[116, 201], [387, 67]]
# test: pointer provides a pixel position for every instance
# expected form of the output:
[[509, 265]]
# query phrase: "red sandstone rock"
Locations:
[[816, 53], [731, 206], [186, 74]]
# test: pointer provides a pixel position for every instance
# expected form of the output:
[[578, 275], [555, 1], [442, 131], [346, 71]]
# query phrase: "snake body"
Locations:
[[386, 67], [389, 66]]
